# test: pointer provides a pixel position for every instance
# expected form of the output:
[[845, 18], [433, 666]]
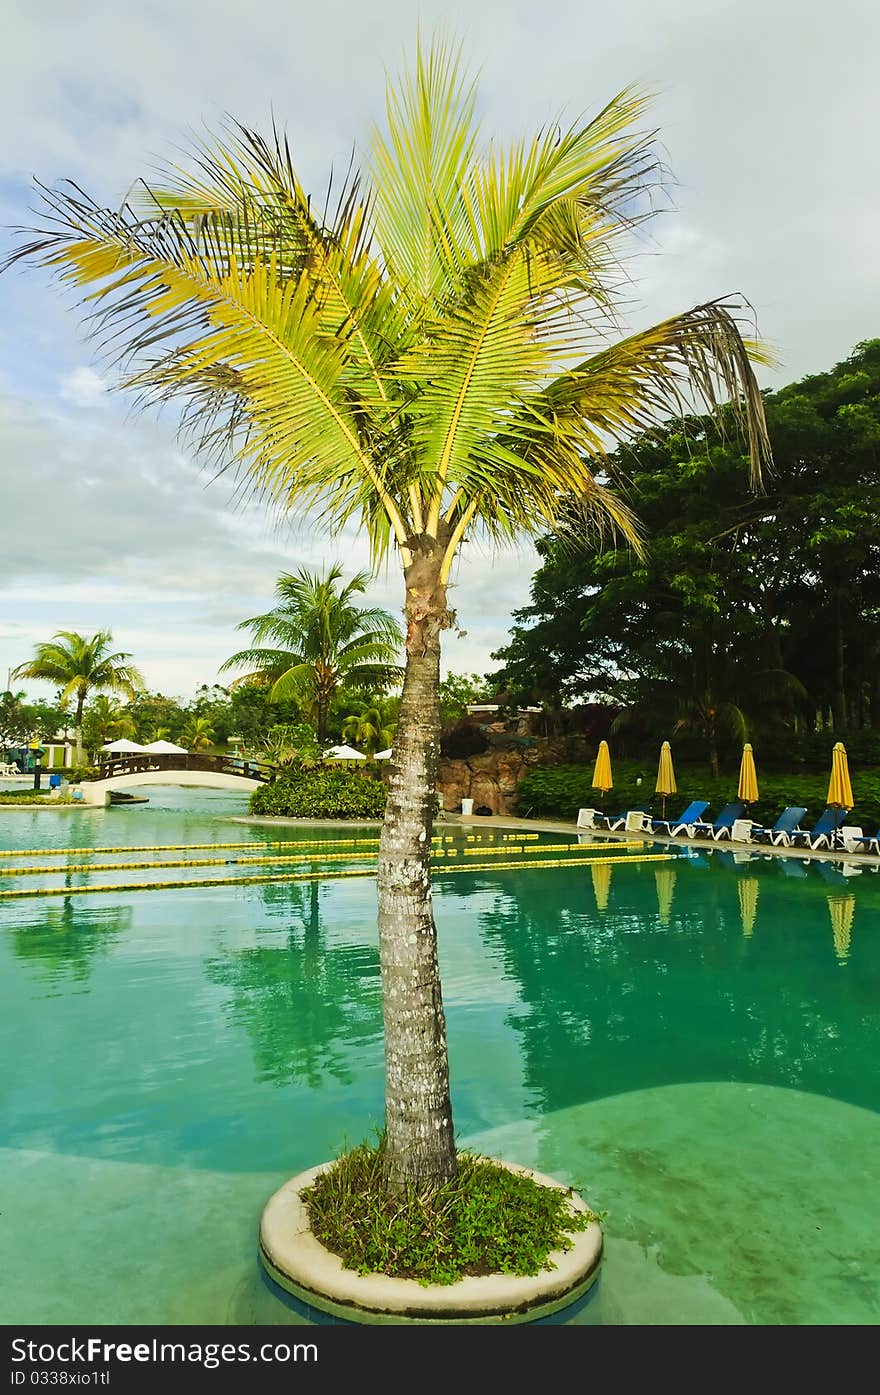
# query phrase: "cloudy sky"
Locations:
[[769, 115]]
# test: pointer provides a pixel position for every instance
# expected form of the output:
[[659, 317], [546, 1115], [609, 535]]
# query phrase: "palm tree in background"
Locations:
[[80, 665], [435, 359], [367, 731], [105, 720], [198, 733], [319, 638]]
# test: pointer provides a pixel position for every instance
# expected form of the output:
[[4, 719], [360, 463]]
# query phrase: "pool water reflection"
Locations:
[[694, 1043]]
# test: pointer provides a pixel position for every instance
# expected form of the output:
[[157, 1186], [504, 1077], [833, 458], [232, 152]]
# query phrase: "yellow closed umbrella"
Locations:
[[747, 790], [840, 795], [665, 775], [602, 779]]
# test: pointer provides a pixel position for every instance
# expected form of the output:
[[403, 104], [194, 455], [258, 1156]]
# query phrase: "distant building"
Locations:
[[58, 752]]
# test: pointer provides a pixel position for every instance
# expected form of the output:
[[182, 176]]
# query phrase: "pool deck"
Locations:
[[510, 822]]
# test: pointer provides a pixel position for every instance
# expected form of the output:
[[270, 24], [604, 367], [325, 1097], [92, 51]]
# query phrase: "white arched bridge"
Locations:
[[150, 768]]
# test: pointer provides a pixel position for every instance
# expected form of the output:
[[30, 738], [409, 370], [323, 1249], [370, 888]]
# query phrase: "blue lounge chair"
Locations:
[[780, 834], [720, 827], [686, 819], [822, 834], [868, 842]]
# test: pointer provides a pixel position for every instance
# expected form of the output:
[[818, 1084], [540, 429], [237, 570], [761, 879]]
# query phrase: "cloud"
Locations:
[[111, 524], [83, 387], [765, 114]]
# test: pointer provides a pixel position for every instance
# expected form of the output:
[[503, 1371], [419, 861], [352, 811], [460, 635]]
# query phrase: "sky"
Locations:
[[768, 115]]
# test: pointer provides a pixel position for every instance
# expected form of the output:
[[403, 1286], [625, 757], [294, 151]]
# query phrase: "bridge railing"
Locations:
[[141, 763]]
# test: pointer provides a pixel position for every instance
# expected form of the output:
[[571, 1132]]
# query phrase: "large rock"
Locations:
[[490, 780]]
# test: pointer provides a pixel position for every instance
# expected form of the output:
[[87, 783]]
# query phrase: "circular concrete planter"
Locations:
[[299, 1263]]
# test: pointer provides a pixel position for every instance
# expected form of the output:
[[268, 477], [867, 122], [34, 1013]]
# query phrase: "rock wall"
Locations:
[[489, 780]]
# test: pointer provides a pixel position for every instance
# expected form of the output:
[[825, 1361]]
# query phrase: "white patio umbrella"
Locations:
[[165, 748], [383, 755], [343, 753], [123, 746]]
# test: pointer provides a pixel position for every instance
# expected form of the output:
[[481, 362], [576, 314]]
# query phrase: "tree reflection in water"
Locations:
[[64, 941], [630, 997], [305, 1004]]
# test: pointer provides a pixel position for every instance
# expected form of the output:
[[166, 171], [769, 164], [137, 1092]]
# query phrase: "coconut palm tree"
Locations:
[[367, 731], [80, 665], [198, 733], [104, 720], [436, 359], [320, 639]]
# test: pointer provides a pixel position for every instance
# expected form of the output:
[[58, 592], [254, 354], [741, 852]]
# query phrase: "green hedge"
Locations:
[[331, 793], [33, 797], [559, 791]]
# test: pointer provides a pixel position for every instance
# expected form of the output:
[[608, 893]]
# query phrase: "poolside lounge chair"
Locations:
[[867, 842], [821, 835], [780, 834], [720, 827], [686, 819], [615, 822]]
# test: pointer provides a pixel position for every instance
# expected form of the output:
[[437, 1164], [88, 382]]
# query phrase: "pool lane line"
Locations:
[[195, 847], [334, 875], [315, 843], [553, 847], [202, 847], [79, 868]]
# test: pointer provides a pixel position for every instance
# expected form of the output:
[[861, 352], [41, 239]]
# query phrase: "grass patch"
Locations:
[[485, 1221]]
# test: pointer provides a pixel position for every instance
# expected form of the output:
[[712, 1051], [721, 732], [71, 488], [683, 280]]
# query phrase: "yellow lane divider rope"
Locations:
[[334, 874], [188, 862], [553, 847], [83, 867], [194, 847], [206, 847]]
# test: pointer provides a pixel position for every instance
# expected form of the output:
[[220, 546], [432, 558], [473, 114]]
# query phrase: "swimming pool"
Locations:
[[692, 1042]]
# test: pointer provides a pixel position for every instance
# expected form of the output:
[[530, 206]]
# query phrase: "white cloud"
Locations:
[[766, 114], [83, 387]]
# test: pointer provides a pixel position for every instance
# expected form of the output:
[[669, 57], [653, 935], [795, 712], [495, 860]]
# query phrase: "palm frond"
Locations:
[[628, 387], [237, 339], [419, 168]]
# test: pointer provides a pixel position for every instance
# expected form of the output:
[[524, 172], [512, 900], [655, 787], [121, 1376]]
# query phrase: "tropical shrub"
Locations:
[[559, 792], [78, 773], [326, 793]]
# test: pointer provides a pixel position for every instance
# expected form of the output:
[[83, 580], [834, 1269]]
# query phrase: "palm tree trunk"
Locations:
[[78, 725], [418, 1114]]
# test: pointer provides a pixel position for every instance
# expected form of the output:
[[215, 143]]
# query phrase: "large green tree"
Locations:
[[317, 637], [105, 719], [79, 665], [434, 360], [765, 605]]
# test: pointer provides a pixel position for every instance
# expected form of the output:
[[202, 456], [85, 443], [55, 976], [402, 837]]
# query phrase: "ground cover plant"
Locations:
[[485, 1220], [559, 791]]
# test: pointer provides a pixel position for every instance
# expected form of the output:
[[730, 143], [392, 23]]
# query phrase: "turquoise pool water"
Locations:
[[694, 1043]]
